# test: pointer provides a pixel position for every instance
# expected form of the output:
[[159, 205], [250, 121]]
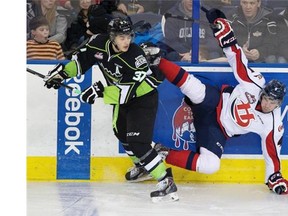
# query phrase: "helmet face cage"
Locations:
[[274, 90], [119, 26]]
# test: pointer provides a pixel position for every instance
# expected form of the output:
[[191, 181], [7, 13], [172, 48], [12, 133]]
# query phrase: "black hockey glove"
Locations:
[[56, 76], [213, 14], [277, 183], [221, 27], [152, 53], [90, 94]]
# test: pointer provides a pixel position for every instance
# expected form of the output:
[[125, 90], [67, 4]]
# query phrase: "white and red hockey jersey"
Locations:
[[240, 111]]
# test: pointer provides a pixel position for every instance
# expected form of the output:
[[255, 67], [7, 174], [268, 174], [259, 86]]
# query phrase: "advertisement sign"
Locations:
[[74, 132]]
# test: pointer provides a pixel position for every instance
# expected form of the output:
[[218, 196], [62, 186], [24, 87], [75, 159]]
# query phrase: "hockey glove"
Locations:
[[152, 52], [90, 94], [56, 76], [224, 34], [277, 183], [214, 14]]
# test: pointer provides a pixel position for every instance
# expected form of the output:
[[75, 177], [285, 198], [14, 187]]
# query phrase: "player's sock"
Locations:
[[173, 73], [184, 159]]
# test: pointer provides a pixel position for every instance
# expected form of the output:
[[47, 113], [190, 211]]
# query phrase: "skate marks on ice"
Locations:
[[130, 199]]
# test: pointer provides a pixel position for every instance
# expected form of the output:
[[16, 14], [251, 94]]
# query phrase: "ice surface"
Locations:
[[132, 199]]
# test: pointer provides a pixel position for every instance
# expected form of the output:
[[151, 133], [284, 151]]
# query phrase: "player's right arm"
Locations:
[[224, 34]]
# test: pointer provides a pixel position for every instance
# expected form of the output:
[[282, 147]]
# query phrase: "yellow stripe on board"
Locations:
[[41, 168], [114, 169]]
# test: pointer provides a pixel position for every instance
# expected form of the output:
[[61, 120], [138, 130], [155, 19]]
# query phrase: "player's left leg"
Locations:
[[137, 172], [140, 126]]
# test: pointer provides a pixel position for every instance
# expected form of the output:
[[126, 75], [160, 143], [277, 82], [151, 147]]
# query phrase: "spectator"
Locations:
[[158, 6], [98, 20], [40, 47], [76, 33], [282, 47], [57, 21], [255, 30], [66, 4], [130, 7], [178, 33]]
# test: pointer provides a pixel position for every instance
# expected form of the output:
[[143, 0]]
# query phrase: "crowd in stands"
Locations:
[[261, 26]]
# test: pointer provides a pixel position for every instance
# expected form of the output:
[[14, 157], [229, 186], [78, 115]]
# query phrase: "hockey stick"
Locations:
[[70, 52], [217, 26], [169, 15], [75, 90]]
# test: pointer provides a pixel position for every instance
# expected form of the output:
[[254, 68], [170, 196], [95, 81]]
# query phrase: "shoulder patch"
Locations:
[[140, 60]]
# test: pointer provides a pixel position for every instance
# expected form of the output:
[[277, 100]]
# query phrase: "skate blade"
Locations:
[[172, 197], [141, 179]]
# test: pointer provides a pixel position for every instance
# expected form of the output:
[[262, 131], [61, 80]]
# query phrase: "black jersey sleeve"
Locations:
[[85, 57]]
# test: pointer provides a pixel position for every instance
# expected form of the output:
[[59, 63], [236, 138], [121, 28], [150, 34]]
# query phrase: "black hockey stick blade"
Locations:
[[35, 73], [204, 9], [77, 91]]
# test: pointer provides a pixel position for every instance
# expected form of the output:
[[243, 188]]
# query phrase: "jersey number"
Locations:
[[139, 76]]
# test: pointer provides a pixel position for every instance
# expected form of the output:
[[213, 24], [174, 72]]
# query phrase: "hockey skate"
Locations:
[[163, 151], [167, 189], [137, 174]]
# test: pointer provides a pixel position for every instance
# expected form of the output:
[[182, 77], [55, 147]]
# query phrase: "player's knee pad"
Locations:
[[194, 89], [208, 162]]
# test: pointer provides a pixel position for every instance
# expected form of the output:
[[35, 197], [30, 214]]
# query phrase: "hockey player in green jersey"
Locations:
[[131, 89]]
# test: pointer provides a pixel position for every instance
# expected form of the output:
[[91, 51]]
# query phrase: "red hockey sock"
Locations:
[[173, 73], [184, 159]]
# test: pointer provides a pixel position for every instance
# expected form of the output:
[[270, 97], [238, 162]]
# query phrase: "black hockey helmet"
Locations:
[[119, 26], [275, 90]]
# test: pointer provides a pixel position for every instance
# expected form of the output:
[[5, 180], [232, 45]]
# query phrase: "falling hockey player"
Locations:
[[251, 106]]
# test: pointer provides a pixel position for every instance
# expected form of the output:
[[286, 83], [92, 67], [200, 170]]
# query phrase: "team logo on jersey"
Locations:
[[115, 74], [140, 60], [257, 34], [99, 55], [241, 113], [184, 131], [251, 98]]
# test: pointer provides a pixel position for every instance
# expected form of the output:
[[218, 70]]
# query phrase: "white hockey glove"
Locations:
[[90, 94], [277, 183], [56, 76], [152, 53]]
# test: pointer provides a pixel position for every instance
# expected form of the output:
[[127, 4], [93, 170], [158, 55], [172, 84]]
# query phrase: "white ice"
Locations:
[[132, 199]]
